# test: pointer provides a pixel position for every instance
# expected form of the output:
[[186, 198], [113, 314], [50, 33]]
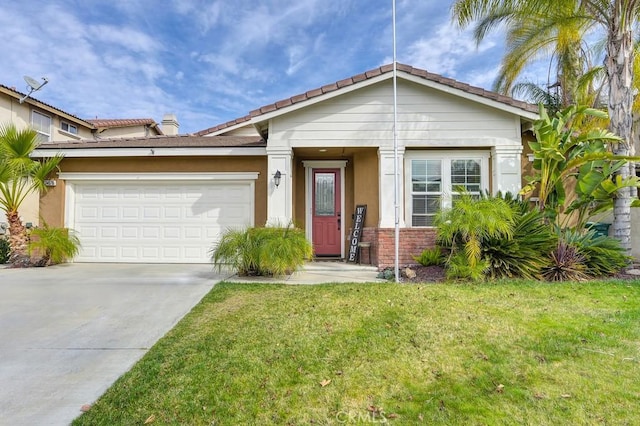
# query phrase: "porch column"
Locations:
[[507, 170], [280, 198], [387, 201]]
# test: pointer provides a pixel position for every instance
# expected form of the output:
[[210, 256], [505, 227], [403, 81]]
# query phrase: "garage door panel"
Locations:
[[152, 232], [129, 232], [152, 212], [109, 232], [129, 213], [107, 213], [87, 231], [171, 232], [89, 212], [157, 222], [100, 192], [107, 252]]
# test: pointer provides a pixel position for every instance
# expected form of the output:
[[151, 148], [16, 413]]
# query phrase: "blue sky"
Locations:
[[212, 61]]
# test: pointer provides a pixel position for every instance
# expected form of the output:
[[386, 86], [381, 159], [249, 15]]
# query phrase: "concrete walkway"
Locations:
[[321, 272], [67, 332]]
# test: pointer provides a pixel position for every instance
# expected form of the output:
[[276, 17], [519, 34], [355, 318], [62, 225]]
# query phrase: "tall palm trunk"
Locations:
[[18, 242], [619, 66]]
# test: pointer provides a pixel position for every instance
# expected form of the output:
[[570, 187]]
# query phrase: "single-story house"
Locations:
[[309, 159]]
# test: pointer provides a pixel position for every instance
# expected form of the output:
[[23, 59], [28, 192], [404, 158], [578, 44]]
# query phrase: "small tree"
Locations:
[[19, 176]]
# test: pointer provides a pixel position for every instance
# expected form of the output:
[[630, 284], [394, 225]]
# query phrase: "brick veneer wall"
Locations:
[[412, 242]]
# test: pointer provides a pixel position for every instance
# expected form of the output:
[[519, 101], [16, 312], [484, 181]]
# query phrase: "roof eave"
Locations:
[[53, 110]]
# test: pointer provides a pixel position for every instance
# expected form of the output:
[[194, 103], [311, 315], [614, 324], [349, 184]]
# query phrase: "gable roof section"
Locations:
[[413, 73], [33, 101]]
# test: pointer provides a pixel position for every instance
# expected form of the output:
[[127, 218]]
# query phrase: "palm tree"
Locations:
[[19, 176], [556, 31], [570, 19]]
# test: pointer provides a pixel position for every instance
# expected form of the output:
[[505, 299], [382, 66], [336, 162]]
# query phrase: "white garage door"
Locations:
[[156, 222]]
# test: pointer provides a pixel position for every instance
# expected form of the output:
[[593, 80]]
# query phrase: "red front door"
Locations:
[[326, 218]]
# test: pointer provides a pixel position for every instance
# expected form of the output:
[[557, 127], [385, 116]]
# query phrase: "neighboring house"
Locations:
[[51, 123], [168, 198], [54, 125]]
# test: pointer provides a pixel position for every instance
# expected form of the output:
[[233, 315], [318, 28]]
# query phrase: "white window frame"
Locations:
[[46, 136], [71, 128], [445, 157]]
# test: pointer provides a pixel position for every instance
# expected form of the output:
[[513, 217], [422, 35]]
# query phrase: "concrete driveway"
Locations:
[[67, 332]]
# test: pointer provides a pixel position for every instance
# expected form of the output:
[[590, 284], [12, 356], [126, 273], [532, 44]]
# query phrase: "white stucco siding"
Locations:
[[426, 116]]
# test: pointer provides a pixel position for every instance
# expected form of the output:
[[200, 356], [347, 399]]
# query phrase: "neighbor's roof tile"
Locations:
[[121, 122]]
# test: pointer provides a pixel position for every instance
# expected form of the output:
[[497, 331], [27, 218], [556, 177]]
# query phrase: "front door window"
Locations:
[[325, 194]]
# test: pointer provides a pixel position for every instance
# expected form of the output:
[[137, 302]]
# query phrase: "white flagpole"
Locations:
[[396, 195]]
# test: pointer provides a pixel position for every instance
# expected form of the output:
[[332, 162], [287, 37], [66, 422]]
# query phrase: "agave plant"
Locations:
[[567, 264]]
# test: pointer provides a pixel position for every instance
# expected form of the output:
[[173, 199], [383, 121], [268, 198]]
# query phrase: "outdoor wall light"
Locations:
[[276, 178]]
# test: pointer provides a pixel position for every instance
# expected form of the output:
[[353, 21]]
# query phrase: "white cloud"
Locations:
[[444, 51], [127, 38]]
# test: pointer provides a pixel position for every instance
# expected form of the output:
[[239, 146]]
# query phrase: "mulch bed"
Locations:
[[426, 274]]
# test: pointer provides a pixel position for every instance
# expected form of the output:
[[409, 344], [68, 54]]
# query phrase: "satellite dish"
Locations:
[[34, 85]]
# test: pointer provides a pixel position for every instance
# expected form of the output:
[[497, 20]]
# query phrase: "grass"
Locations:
[[491, 354]]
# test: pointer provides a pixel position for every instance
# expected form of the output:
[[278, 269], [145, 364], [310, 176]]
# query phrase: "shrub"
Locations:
[[526, 253], [429, 257], [4, 250], [602, 254], [567, 264], [459, 268], [55, 245], [262, 251]]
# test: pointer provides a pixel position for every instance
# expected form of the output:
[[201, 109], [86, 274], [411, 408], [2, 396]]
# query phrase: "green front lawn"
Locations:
[[505, 353]]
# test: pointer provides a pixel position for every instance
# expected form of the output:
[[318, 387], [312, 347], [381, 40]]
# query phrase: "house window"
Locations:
[[42, 124], [69, 128], [434, 179]]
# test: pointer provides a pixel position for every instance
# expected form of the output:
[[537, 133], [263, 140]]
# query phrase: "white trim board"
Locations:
[[44, 152], [73, 176]]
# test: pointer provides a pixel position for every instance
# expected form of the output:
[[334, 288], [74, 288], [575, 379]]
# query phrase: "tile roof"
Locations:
[[417, 72], [19, 95], [178, 141], [121, 122]]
